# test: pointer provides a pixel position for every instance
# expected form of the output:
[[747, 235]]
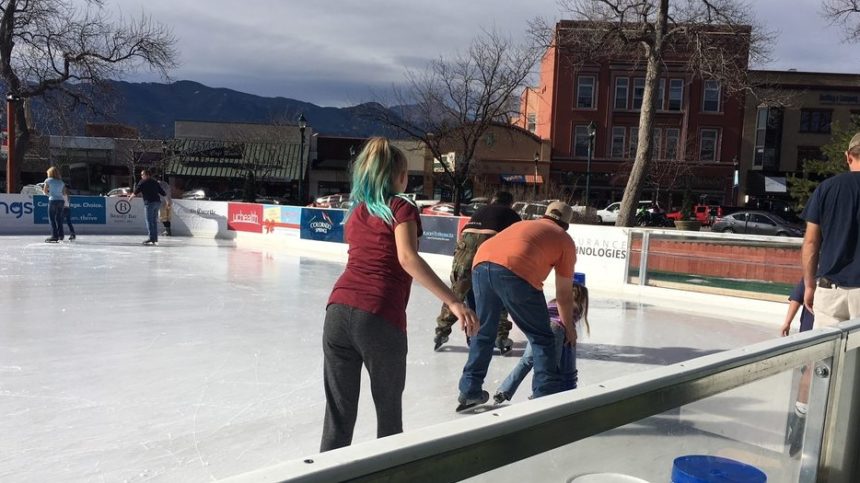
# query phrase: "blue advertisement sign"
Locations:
[[322, 225], [85, 210], [440, 234]]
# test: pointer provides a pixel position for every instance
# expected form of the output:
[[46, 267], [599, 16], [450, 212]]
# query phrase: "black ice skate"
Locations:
[[438, 341], [500, 397], [72, 237], [469, 403], [52, 240]]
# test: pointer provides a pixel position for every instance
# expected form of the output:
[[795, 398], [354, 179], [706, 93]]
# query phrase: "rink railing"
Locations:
[[478, 444]]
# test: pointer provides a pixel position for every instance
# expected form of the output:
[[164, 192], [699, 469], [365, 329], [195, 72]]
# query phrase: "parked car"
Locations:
[[229, 195], [195, 194], [33, 189], [447, 209], [757, 223], [330, 201], [610, 213], [120, 192]]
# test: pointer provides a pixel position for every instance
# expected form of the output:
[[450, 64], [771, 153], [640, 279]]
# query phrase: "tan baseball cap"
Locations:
[[559, 211], [855, 141]]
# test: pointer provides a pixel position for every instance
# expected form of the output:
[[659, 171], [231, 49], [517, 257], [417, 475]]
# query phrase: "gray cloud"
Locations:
[[341, 52]]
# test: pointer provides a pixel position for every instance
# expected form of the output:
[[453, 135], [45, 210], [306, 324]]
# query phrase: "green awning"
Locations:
[[205, 158]]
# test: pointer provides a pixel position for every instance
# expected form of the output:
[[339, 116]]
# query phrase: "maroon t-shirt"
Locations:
[[373, 280]]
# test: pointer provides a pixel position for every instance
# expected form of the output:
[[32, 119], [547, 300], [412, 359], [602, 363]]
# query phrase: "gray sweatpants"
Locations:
[[352, 337]]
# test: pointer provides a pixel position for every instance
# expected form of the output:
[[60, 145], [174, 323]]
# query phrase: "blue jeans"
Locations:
[[152, 219], [566, 363], [495, 287], [55, 217]]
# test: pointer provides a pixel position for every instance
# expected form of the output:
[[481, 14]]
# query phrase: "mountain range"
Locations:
[[153, 108]]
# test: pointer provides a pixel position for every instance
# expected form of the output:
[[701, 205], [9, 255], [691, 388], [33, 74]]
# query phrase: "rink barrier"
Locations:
[[478, 444]]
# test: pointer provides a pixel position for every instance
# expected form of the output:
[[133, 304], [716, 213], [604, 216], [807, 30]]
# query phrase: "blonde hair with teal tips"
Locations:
[[373, 176]]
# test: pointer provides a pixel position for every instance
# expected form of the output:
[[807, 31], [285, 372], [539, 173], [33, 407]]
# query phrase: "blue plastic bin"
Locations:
[[713, 469]]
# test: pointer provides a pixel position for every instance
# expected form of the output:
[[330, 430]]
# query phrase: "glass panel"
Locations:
[[634, 142], [617, 149], [755, 425], [638, 92], [661, 93], [580, 147], [585, 92], [676, 94], [656, 150], [708, 146], [672, 138], [711, 101], [621, 87]]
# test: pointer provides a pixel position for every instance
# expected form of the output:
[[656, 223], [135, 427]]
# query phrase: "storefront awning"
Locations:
[[203, 158], [521, 178]]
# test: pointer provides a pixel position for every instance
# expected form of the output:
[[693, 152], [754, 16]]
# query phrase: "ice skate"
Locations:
[[150, 242], [500, 398], [504, 345], [794, 434], [52, 240], [72, 237], [469, 403], [438, 341]]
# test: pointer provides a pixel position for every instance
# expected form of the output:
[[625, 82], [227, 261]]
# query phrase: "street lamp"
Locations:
[[537, 158], [592, 131], [303, 123]]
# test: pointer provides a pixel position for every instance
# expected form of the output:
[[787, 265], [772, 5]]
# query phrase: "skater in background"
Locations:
[[508, 272], [166, 209], [152, 193], [67, 213], [797, 420], [484, 224], [565, 353], [365, 321], [55, 188]]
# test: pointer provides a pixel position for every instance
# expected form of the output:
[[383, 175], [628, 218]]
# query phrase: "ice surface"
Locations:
[[194, 360]]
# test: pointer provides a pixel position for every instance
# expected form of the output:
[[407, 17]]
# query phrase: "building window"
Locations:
[[638, 92], [622, 85], [634, 142], [815, 121], [585, 92], [661, 94], [656, 148], [676, 94], [673, 135], [617, 148], [708, 142], [768, 138], [580, 141], [711, 99], [531, 122], [808, 153]]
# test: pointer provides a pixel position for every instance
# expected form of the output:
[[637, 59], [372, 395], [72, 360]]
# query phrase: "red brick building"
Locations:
[[696, 124]]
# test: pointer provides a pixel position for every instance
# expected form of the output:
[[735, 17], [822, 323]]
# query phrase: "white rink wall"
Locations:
[[602, 250]]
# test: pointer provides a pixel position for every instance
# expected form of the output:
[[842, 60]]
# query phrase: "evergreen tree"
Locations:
[[817, 170]]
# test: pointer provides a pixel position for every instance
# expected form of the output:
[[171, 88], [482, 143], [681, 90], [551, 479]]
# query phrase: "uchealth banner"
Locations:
[[322, 224], [245, 217], [440, 234]]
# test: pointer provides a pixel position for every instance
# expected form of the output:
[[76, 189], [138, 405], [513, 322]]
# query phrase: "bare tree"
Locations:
[[845, 14], [713, 39], [449, 106], [56, 50]]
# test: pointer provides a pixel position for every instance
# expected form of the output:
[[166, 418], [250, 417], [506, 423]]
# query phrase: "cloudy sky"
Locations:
[[341, 52]]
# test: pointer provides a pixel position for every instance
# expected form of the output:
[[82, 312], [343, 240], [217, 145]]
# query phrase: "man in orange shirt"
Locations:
[[508, 271]]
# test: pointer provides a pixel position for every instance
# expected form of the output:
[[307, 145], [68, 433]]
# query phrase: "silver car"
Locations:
[[756, 223]]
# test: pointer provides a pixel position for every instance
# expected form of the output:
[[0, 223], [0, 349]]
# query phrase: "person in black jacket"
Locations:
[[152, 193]]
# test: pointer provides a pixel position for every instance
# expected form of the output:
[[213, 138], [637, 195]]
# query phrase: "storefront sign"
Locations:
[[440, 234]]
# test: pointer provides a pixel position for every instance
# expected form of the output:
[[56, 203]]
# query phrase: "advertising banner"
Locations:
[[124, 216], [440, 234], [245, 217], [84, 210], [282, 220], [16, 214], [601, 253], [194, 218], [322, 224]]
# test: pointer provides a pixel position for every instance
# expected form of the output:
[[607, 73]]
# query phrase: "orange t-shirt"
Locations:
[[531, 249]]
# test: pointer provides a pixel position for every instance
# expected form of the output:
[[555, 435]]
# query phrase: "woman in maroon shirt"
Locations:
[[365, 321]]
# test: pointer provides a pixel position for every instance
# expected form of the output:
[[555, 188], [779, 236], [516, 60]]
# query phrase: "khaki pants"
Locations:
[[834, 305], [165, 211]]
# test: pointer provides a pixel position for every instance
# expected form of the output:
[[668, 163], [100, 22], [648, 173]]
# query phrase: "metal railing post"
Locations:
[[643, 258]]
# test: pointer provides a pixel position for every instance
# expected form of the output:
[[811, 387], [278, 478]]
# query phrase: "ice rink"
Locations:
[[195, 360]]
